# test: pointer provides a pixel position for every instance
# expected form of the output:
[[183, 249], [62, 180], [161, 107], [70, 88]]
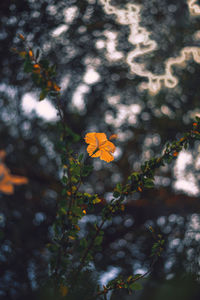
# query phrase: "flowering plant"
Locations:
[[70, 255]]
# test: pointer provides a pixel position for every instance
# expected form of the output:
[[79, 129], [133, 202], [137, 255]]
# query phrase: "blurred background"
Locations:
[[112, 64]]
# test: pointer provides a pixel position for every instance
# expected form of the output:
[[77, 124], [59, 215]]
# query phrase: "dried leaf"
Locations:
[[113, 137]]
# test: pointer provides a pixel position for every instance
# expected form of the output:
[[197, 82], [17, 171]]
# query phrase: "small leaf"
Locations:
[[83, 243], [44, 63], [28, 66], [23, 54], [80, 157], [116, 194], [119, 187], [98, 240], [43, 94], [37, 53], [87, 169], [136, 286], [149, 183]]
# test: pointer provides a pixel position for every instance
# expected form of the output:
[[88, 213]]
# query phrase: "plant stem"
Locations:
[[89, 248]]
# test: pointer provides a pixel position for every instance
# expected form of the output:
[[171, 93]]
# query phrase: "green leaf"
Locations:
[[76, 137], [52, 70], [44, 63], [37, 79], [185, 146], [28, 67], [80, 158], [63, 210], [149, 183], [169, 159], [116, 194], [74, 179], [64, 179], [89, 257], [119, 187], [98, 240], [77, 210], [43, 94], [83, 243], [197, 118], [37, 54], [96, 200], [136, 286], [87, 169], [135, 175], [76, 170]]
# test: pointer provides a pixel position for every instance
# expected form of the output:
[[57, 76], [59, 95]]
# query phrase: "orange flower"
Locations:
[[175, 154], [99, 146], [8, 180]]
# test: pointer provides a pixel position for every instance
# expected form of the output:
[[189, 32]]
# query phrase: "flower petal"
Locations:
[[107, 156], [90, 138], [101, 138], [108, 146], [7, 188], [18, 180], [97, 154], [91, 148]]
